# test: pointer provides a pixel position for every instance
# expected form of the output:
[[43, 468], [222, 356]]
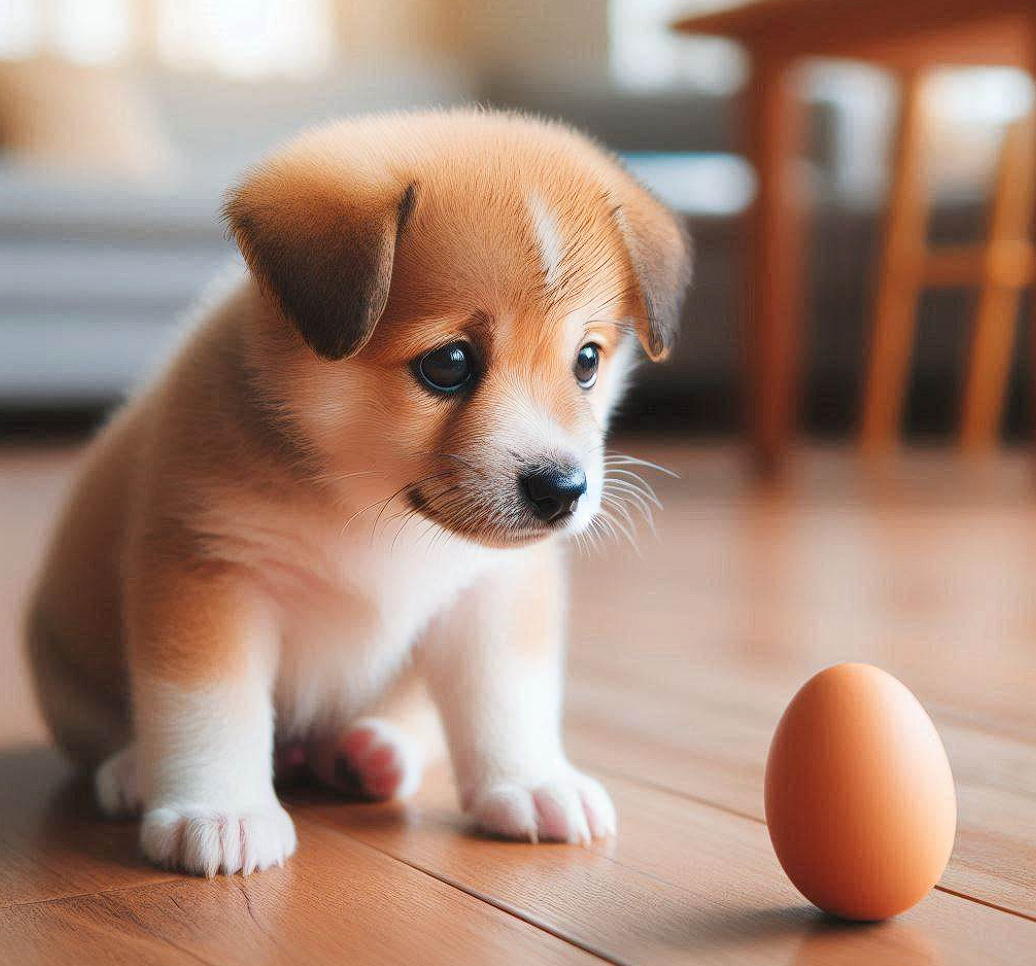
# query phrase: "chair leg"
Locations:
[[900, 278], [996, 315], [775, 253]]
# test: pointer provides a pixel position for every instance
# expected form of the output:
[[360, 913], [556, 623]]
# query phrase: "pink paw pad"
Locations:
[[290, 763], [377, 760]]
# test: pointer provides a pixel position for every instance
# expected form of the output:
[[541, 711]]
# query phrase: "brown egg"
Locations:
[[859, 795]]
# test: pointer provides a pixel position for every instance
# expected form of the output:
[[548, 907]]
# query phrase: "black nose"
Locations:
[[554, 492]]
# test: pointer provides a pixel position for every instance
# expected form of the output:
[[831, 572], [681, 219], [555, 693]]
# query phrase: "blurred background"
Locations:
[[122, 121], [121, 124]]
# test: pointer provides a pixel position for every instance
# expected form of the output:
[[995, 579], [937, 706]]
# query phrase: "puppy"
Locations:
[[344, 498]]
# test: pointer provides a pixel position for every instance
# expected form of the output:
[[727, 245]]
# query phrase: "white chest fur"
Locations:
[[350, 604]]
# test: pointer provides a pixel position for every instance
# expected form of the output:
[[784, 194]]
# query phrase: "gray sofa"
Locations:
[[95, 277]]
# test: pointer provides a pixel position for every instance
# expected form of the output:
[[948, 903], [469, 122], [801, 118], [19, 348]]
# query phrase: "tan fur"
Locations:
[[292, 408]]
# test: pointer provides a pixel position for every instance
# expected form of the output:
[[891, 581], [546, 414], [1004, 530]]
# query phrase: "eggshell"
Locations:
[[860, 801]]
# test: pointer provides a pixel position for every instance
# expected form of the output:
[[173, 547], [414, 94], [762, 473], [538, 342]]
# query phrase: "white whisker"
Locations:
[[620, 459], [629, 493], [637, 482]]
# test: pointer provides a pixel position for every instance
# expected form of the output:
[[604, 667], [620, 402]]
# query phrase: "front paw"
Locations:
[[571, 807], [204, 841]]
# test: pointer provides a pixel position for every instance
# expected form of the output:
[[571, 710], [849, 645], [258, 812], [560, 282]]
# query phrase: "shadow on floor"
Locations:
[[798, 935], [50, 821]]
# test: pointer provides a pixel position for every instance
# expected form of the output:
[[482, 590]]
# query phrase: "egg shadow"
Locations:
[[748, 926], [831, 940], [709, 930], [796, 935]]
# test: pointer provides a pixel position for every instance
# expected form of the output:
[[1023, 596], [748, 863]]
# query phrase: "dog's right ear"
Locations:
[[321, 242]]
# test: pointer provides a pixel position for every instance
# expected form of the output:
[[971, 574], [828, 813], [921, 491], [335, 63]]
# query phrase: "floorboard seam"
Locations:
[[708, 803], [678, 793], [985, 902], [504, 907]]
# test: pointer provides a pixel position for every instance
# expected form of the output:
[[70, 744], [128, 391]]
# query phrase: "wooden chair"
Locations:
[[908, 36], [1000, 267]]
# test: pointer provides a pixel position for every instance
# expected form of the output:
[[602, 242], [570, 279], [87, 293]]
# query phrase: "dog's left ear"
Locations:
[[321, 242], [660, 254]]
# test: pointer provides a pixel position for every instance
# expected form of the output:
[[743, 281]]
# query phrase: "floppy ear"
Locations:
[[660, 254], [320, 247]]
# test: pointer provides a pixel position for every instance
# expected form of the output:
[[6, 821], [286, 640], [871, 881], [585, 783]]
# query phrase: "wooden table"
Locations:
[[682, 662], [907, 35]]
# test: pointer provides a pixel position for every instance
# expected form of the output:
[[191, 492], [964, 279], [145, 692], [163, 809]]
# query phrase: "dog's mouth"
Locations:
[[495, 524]]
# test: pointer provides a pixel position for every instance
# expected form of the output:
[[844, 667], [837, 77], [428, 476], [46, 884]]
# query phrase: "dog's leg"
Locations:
[[494, 663], [383, 754], [202, 653], [116, 787]]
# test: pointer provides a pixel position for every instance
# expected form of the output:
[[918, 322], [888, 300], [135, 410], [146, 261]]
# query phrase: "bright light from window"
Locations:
[[21, 28], [980, 95], [90, 31], [703, 184], [243, 38], [246, 38], [646, 55]]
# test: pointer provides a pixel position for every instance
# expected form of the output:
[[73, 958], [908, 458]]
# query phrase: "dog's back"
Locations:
[[73, 627]]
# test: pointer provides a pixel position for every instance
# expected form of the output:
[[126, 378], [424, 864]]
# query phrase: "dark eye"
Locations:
[[446, 369], [586, 365]]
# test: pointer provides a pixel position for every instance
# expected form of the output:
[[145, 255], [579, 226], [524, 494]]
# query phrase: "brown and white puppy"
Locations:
[[349, 485]]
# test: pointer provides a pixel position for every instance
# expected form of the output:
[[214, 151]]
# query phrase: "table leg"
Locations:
[[1031, 66], [899, 275], [773, 298], [1007, 248]]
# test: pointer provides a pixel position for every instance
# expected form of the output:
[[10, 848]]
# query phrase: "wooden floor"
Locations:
[[682, 661]]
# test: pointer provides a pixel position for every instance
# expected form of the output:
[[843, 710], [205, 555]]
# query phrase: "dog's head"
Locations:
[[457, 300]]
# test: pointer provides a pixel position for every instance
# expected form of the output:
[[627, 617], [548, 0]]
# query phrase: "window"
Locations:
[[248, 39], [645, 55]]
